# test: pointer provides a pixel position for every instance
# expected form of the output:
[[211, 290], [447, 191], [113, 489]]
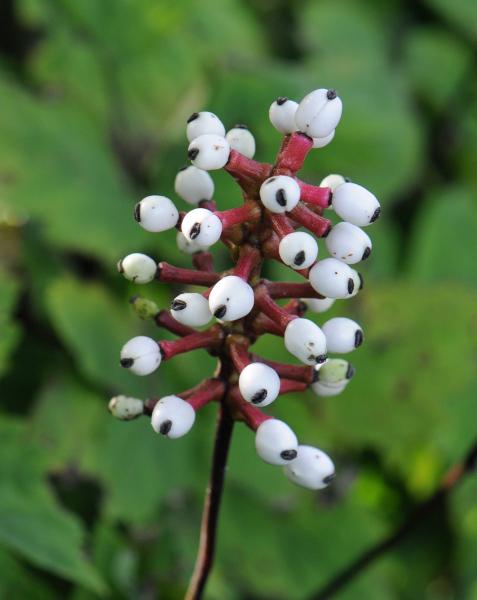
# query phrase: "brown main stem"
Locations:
[[210, 514]]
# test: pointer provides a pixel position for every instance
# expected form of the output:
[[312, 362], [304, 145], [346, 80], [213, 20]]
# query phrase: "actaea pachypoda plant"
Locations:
[[279, 219]]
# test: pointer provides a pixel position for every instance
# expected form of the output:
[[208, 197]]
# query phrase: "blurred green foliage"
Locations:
[[93, 100]]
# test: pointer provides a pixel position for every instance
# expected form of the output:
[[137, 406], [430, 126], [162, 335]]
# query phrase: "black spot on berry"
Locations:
[[366, 253], [281, 100], [281, 198], [220, 312], [358, 338], [259, 396], [288, 454], [178, 305], [271, 180], [331, 94], [328, 479], [330, 199], [193, 153], [165, 427], [350, 371], [137, 212], [126, 363], [194, 231], [376, 214], [350, 286], [299, 258], [240, 126], [361, 281], [321, 359], [193, 117]]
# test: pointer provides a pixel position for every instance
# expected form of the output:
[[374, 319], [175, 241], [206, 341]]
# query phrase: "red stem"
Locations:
[[171, 274], [263, 324], [203, 261], [247, 213], [166, 320], [313, 194], [240, 356], [287, 386], [213, 390], [271, 309], [281, 224], [252, 415], [208, 204], [295, 372], [205, 339], [292, 153], [248, 173], [310, 220], [290, 289], [249, 258]]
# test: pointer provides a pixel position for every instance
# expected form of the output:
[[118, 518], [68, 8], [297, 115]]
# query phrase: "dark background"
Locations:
[[93, 101]]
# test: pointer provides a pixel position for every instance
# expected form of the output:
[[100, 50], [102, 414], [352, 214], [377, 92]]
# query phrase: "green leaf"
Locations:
[[31, 522], [17, 582], [9, 331], [461, 13]]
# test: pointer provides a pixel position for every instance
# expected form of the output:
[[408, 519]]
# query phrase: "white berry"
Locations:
[[125, 408], [298, 250], [354, 203], [259, 384], [342, 335], [201, 123], [209, 152], [275, 442], [327, 390], [188, 246], [348, 243], [280, 193], [172, 417], [318, 305], [321, 142], [193, 185], [336, 371], [138, 267], [201, 226], [332, 181], [319, 113], [191, 309], [333, 278], [231, 298], [156, 213], [305, 340], [241, 140], [312, 468], [141, 355], [282, 114]]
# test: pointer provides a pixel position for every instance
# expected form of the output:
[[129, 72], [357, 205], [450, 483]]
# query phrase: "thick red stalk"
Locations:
[[252, 415], [248, 259], [263, 324], [313, 194], [214, 390], [270, 308], [166, 320], [171, 274], [310, 220], [248, 173], [247, 213], [296, 372], [292, 154], [211, 338], [287, 386], [203, 261], [290, 289], [208, 204], [240, 356], [281, 224]]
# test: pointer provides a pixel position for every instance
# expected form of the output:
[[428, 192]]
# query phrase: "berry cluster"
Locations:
[[277, 204]]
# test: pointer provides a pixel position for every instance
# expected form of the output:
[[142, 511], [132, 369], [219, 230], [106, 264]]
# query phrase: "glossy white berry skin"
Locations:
[[319, 113], [298, 250], [318, 305], [202, 123], [156, 213], [201, 226], [172, 417], [193, 185], [259, 384], [348, 243], [241, 140], [137, 267], [191, 309], [141, 355], [280, 193], [312, 468], [355, 204], [328, 390], [282, 115], [275, 442], [343, 335], [209, 152], [188, 246], [332, 181], [323, 141], [231, 298], [333, 278], [305, 340]]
